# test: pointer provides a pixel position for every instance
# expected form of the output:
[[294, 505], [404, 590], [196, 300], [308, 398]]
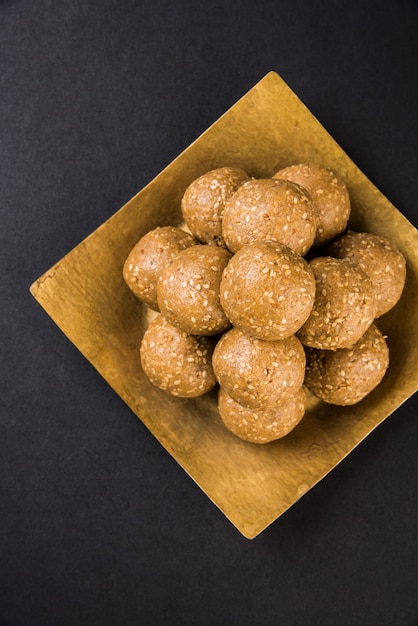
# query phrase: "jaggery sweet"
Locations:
[[239, 306], [188, 290], [149, 255], [379, 259], [261, 426], [276, 210], [258, 374], [344, 306], [203, 202], [267, 290], [329, 195], [176, 362], [345, 376]]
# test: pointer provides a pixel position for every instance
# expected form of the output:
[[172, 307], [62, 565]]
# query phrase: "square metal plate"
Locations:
[[84, 293]]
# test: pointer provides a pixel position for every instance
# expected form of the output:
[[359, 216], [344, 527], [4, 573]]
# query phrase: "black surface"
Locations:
[[98, 524]]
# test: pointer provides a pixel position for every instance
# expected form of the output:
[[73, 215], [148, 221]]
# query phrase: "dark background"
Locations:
[[98, 524]]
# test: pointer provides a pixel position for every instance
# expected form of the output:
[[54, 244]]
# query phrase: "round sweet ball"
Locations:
[[176, 362], [262, 426], [329, 196], [381, 260], [267, 290], [347, 375], [188, 290], [258, 374], [277, 210], [344, 306], [149, 255], [204, 200]]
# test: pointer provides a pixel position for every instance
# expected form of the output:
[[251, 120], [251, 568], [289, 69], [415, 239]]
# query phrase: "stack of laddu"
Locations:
[[265, 292]]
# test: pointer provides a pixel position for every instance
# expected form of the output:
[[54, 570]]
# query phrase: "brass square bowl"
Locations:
[[86, 296]]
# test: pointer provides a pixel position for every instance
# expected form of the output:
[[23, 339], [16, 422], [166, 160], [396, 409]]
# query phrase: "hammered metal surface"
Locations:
[[86, 296]]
